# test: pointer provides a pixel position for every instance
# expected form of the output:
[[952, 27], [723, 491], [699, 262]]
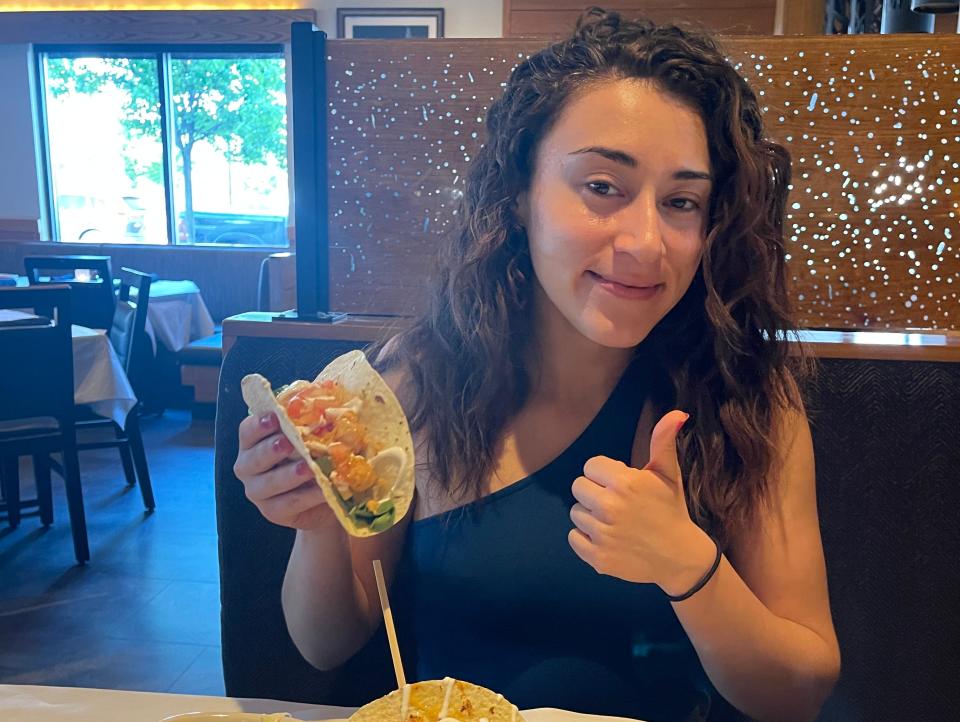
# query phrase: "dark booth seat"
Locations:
[[888, 454], [259, 659]]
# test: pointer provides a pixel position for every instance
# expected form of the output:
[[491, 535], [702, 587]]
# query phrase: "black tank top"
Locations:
[[493, 594]]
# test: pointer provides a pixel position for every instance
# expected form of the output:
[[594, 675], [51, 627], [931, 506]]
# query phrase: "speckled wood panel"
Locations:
[[870, 121]]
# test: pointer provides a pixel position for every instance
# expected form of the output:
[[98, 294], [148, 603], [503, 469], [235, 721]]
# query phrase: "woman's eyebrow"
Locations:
[[618, 156]]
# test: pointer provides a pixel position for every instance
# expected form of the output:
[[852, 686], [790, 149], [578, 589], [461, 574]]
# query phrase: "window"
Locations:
[[166, 147]]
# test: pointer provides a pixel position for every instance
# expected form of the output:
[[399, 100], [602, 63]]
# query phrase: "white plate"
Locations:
[[544, 714], [549, 714], [229, 717]]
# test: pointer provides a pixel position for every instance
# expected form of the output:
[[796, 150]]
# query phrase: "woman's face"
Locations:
[[617, 208]]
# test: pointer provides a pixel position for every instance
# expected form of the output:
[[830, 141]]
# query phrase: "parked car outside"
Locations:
[[101, 219], [245, 229]]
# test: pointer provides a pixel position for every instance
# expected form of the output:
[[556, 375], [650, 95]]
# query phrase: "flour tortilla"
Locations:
[[381, 414], [468, 703]]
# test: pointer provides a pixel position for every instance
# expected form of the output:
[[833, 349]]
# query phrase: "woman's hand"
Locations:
[[633, 523], [276, 479]]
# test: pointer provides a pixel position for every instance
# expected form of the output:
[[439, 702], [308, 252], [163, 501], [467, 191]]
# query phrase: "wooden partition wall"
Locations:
[[871, 123], [554, 18]]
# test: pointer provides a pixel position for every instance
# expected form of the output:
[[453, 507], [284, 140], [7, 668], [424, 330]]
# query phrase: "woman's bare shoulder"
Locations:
[[398, 379], [396, 373], [397, 376]]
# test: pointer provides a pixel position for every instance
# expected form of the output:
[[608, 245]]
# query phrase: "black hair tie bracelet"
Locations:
[[703, 580]]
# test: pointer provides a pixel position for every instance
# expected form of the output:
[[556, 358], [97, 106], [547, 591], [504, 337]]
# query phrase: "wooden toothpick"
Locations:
[[388, 622]]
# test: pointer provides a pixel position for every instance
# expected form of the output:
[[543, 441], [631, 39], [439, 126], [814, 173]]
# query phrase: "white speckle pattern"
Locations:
[[872, 233], [874, 134]]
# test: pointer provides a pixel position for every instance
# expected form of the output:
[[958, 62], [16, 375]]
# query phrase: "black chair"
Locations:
[[37, 409], [129, 341], [93, 300]]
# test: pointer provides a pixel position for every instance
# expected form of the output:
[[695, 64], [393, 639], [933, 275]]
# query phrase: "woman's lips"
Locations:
[[622, 290]]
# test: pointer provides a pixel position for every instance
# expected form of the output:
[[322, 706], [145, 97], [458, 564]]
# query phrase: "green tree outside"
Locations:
[[238, 105]]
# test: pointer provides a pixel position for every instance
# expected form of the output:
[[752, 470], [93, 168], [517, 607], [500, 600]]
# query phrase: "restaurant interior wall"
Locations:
[[19, 190], [480, 19], [551, 18]]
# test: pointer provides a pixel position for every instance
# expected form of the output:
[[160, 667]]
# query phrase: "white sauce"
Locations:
[[336, 412], [448, 684], [291, 391]]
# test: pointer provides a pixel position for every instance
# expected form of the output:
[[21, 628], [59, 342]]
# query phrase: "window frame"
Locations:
[[161, 53]]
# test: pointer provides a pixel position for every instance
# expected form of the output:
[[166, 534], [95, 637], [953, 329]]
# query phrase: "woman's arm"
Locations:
[[330, 600], [762, 626]]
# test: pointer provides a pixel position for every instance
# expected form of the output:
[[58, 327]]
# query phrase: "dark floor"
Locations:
[[143, 614]]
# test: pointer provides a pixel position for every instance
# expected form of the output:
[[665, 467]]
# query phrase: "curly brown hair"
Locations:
[[720, 351]]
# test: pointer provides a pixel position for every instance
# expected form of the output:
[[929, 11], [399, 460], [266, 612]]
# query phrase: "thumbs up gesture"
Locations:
[[633, 523]]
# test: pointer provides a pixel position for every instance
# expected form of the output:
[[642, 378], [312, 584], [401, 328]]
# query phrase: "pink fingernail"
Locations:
[[267, 420], [302, 469], [282, 444], [684, 420]]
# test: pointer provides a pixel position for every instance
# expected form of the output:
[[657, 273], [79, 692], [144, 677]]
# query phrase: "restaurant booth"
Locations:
[[385, 131]]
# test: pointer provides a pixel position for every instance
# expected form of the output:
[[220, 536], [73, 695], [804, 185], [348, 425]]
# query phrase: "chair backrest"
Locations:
[[93, 299], [127, 332], [36, 365]]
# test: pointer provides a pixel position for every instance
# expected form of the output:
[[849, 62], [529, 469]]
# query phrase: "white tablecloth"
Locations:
[[28, 703], [98, 377], [177, 314]]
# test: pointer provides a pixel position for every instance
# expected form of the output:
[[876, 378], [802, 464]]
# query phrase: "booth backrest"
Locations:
[[887, 441]]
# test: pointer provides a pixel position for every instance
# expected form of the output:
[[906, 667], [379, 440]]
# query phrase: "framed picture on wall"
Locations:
[[389, 23]]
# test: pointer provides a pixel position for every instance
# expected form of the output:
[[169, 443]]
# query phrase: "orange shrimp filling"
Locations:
[[343, 434]]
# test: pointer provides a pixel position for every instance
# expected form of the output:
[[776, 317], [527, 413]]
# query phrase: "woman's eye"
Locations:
[[684, 204], [601, 188]]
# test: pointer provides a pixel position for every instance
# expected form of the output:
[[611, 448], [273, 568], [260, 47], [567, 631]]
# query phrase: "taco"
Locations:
[[349, 427], [436, 700]]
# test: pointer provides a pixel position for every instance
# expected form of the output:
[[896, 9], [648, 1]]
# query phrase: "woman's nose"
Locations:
[[639, 233]]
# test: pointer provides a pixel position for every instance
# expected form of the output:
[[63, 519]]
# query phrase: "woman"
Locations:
[[577, 540]]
